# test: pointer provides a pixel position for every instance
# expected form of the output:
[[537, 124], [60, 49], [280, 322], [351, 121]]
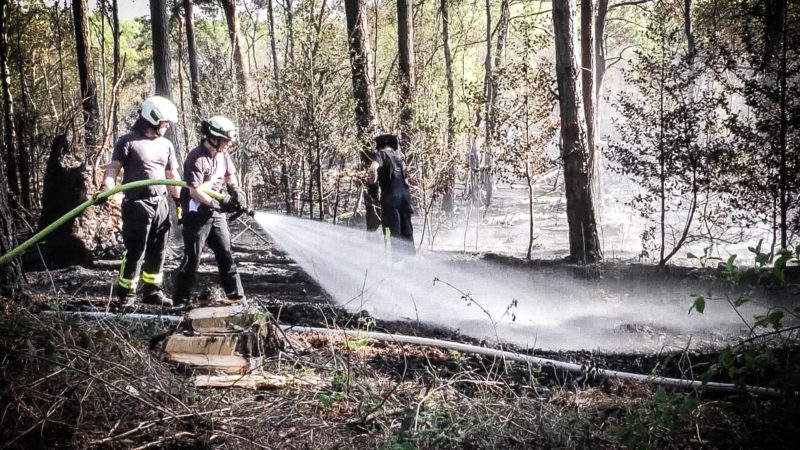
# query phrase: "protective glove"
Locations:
[[228, 204], [238, 197], [215, 205]]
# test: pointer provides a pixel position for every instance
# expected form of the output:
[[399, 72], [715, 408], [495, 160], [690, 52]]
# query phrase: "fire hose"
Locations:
[[99, 197], [583, 370]]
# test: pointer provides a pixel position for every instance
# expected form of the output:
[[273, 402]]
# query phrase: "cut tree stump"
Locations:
[[223, 339]]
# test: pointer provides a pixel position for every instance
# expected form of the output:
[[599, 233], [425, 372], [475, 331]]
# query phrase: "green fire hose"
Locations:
[[91, 201]]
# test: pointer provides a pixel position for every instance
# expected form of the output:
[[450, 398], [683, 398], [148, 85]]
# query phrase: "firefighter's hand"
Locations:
[[228, 204], [215, 205]]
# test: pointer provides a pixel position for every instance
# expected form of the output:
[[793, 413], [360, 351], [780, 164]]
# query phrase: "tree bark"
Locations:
[[493, 89], [587, 70], [9, 129], [194, 68], [600, 50], [405, 42], [11, 281], [687, 26], [363, 90], [242, 68], [448, 203], [272, 45], [91, 114], [117, 58], [584, 245], [162, 67]]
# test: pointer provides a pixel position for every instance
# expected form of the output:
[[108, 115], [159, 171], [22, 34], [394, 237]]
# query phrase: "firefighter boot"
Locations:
[[125, 298], [153, 295]]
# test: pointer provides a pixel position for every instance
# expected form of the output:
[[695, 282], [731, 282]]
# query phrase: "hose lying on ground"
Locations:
[[468, 348]]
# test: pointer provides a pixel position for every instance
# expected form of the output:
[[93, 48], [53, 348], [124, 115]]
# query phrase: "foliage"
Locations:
[[755, 360], [671, 137]]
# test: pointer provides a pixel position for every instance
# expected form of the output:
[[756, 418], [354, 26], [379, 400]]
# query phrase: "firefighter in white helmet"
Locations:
[[144, 153], [209, 168]]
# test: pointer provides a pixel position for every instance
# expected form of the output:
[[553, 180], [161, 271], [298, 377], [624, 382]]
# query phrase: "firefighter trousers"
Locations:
[[200, 229], [145, 231]]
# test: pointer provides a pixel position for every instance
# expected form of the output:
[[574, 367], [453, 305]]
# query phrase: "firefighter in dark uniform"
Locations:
[[144, 153], [388, 170], [209, 167]]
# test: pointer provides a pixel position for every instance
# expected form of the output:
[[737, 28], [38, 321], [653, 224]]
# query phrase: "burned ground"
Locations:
[[96, 384]]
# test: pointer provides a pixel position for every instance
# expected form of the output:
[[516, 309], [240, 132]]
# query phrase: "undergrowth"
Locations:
[[72, 384]]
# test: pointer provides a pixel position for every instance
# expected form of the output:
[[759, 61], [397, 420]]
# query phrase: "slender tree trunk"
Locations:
[[284, 170], [194, 68], [289, 55], [242, 69], [448, 203], [91, 115], [179, 34], [587, 70], [363, 90], [600, 50], [583, 237], [162, 67], [272, 46], [9, 129], [11, 280], [117, 58], [405, 42], [784, 123], [687, 26], [493, 90]]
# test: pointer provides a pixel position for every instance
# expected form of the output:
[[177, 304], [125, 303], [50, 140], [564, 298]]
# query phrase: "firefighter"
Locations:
[[209, 168], [144, 153], [388, 170]]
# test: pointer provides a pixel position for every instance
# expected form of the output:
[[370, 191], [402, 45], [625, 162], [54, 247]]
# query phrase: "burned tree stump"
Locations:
[[230, 340], [68, 183]]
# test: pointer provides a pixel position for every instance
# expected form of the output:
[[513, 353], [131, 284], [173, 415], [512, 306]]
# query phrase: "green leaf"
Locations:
[[690, 403], [778, 273], [326, 400], [660, 395], [699, 303], [741, 300], [691, 256]]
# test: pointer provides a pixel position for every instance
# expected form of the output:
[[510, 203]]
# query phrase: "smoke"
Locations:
[[542, 307]]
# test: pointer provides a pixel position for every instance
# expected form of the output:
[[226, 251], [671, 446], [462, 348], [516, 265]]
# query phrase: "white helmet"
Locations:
[[159, 109], [220, 126]]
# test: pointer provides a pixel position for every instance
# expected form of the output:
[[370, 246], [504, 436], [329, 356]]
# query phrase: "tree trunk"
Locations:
[[11, 281], [363, 90], [687, 26], [91, 114], [194, 68], [242, 69], [272, 45], [783, 182], [10, 134], [162, 67], [600, 50], [405, 42], [587, 71], [493, 90], [117, 58], [584, 245], [448, 201]]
